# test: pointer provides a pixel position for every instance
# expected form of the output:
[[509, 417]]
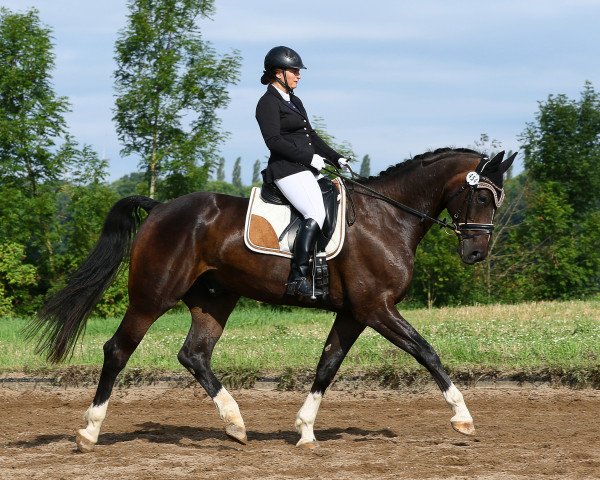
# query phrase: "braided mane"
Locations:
[[430, 157]]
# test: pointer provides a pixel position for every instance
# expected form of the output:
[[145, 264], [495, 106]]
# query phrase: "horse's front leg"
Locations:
[[397, 330], [344, 332]]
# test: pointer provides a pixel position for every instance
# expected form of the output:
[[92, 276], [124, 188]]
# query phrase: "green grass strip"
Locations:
[[537, 337]]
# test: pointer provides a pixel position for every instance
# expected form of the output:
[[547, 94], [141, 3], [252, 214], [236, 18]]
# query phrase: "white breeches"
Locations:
[[303, 192]]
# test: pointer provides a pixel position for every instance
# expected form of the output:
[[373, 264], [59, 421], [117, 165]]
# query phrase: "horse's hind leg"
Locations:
[[344, 332], [209, 315], [116, 354]]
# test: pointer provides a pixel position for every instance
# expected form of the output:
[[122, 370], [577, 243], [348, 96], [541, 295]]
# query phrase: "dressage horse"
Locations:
[[192, 249]]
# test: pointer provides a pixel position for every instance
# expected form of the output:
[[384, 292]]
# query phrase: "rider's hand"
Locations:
[[317, 162], [344, 164]]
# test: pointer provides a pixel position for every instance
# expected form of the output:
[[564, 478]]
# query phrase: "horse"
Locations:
[[192, 249]]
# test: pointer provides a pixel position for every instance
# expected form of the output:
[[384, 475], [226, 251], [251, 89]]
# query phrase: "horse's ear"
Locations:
[[497, 159], [507, 163], [488, 165]]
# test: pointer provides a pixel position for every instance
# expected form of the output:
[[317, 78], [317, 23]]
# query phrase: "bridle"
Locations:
[[473, 182]]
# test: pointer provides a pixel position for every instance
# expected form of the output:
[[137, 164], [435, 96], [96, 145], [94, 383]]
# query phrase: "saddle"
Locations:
[[272, 223]]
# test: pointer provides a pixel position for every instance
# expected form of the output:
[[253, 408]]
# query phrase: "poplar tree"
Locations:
[[365, 166], [236, 175], [170, 84], [256, 172]]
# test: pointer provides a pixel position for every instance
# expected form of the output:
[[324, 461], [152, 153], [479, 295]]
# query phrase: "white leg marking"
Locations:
[[457, 403], [94, 416], [305, 420], [229, 411]]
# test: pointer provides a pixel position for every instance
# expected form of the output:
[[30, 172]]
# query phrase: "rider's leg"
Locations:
[[303, 192]]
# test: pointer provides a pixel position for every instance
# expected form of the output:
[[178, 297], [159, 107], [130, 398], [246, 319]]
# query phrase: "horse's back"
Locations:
[[186, 222]]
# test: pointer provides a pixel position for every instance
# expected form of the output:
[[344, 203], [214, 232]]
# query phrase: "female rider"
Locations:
[[297, 156]]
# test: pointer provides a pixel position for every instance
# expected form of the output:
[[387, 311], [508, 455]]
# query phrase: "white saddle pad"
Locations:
[[266, 222]]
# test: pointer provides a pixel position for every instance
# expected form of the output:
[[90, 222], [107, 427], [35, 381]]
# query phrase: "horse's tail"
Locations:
[[62, 319]]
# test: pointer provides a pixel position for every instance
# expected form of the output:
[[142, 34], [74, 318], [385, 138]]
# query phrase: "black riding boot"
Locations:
[[299, 283]]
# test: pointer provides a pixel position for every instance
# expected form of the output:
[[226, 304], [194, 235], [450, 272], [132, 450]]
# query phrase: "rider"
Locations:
[[297, 156]]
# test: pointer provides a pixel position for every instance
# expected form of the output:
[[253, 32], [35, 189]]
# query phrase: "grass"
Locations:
[[546, 340]]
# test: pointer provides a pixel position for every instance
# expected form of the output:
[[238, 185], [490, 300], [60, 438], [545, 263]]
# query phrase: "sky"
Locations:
[[392, 78]]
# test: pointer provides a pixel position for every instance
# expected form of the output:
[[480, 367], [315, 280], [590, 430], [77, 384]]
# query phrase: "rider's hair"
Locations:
[[268, 76]]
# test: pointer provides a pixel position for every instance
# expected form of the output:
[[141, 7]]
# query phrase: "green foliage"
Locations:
[[256, 178], [558, 258], [15, 278], [170, 84], [440, 277], [31, 115], [236, 176], [221, 170], [563, 145], [559, 231], [227, 188], [365, 167], [130, 184]]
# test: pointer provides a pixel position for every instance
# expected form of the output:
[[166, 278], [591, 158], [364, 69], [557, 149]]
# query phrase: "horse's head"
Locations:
[[474, 196]]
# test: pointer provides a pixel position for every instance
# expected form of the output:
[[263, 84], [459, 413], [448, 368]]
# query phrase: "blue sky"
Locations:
[[393, 78]]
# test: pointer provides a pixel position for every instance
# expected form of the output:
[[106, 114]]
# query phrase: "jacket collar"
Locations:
[[273, 91]]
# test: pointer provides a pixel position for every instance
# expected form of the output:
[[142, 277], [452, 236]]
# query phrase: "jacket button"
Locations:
[[304, 128], [309, 143], [304, 121], [307, 135]]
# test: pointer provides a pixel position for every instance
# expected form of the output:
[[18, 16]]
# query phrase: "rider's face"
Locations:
[[292, 75]]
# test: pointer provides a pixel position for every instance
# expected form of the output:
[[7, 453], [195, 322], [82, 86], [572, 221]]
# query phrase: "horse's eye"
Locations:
[[482, 199]]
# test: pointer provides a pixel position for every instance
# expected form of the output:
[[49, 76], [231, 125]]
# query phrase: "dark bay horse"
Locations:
[[192, 249]]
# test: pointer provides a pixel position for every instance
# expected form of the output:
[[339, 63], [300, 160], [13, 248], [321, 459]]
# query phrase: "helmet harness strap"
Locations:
[[284, 84]]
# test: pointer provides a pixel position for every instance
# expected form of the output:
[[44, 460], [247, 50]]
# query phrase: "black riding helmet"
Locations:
[[280, 57]]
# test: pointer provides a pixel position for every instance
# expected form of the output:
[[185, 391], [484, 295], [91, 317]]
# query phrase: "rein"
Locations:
[[459, 228], [391, 201]]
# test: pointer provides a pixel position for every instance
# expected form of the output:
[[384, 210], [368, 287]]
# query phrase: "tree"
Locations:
[[31, 114], [236, 175], [256, 173], [563, 145], [129, 184], [16, 278], [559, 231], [365, 166], [170, 84], [440, 277], [221, 170], [487, 145], [31, 124]]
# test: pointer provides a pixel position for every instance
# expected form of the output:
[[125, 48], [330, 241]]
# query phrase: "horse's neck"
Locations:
[[415, 188], [421, 188]]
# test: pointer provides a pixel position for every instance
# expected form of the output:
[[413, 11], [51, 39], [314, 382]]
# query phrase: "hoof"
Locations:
[[466, 428], [84, 445], [236, 433], [308, 445]]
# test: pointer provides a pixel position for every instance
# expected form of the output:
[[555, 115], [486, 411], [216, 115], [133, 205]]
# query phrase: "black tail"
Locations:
[[62, 319]]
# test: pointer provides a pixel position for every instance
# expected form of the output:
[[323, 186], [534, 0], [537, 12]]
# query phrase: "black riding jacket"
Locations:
[[289, 136]]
